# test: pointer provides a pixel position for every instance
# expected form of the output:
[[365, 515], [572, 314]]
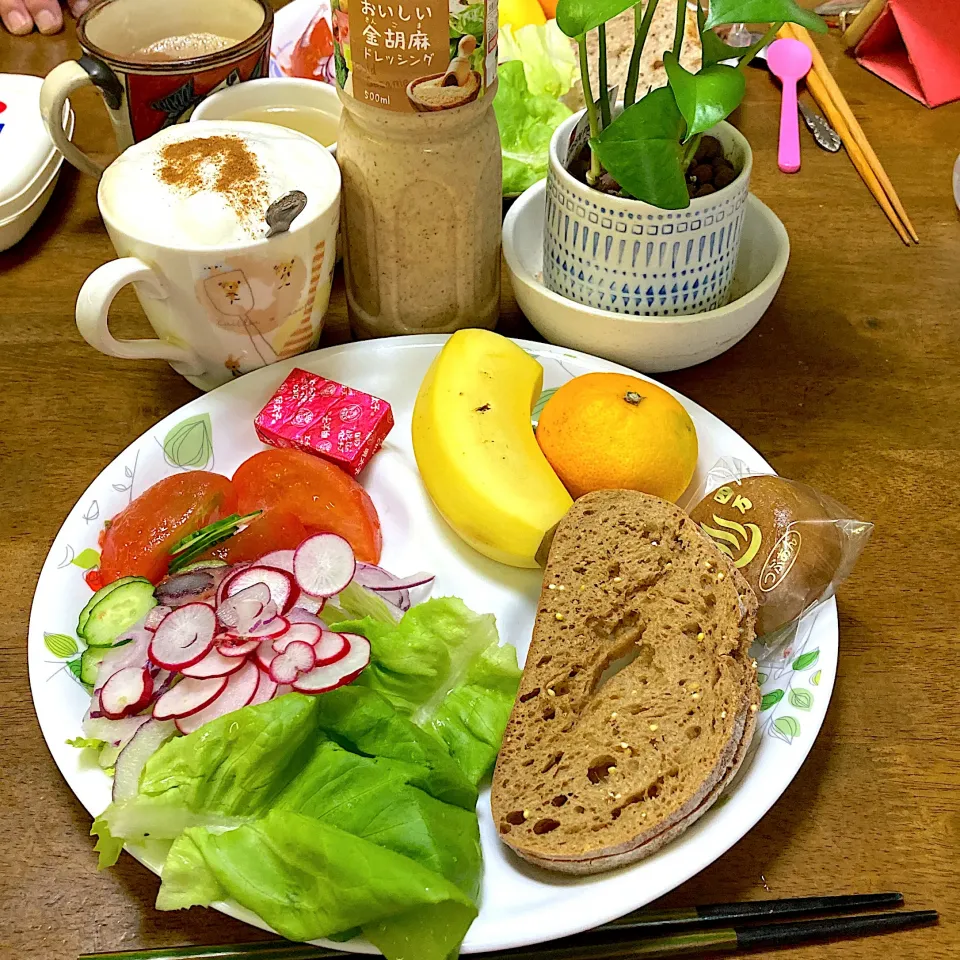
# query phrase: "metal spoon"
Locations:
[[283, 211]]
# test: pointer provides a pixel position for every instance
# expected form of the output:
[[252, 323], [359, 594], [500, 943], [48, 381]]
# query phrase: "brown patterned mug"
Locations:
[[154, 62]]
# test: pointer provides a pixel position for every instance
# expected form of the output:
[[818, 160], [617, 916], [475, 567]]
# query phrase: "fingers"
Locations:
[[15, 17], [78, 6], [46, 15]]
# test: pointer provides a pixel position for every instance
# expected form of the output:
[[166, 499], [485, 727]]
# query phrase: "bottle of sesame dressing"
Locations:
[[419, 151]]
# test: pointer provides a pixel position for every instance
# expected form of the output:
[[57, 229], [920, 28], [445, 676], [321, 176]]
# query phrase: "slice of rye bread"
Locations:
[[639, 697]]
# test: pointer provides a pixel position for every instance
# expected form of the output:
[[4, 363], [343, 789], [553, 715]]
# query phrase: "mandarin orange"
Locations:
[[604, 431]]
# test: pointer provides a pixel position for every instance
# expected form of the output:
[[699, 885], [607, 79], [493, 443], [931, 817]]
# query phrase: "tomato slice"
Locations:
[[138, 540], [273, 530], [322, 496]]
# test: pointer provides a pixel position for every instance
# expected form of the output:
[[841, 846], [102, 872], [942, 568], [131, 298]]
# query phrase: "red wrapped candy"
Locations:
[[337, 423]]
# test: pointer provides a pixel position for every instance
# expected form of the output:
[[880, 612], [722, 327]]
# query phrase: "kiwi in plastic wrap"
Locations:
[[793, 544]]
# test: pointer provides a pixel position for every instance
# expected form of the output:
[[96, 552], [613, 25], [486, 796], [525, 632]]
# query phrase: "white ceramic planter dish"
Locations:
[[627, 256], [647, 343]]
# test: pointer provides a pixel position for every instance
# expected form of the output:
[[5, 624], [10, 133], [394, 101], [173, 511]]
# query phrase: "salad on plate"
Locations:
[[290, 726]]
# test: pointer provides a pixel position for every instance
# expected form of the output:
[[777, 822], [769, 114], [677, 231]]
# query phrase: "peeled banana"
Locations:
[[476, 450]]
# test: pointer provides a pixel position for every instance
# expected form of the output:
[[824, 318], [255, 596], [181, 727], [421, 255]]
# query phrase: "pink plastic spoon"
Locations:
[[790, 60]]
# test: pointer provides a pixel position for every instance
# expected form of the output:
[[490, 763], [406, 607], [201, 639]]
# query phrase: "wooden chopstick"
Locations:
[[627, 945], [834, 104]]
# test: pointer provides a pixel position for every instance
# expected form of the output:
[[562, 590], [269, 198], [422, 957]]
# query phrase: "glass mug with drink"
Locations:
[[153, 62], [187, 211]]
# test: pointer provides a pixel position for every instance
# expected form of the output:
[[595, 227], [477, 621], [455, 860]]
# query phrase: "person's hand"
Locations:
[[20, 16]]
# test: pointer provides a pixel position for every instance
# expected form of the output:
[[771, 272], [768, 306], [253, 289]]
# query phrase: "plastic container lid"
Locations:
[[28, 158]]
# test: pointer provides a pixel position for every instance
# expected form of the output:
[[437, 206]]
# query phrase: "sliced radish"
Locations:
[[343, 671], [297, 658], [184, 636], [281, 559], [376, 578], [242, 609], [155, 617], [271, 628], [239, 691], [309, 604], [115, 732], [126, 692], [148, 739], [214, 664], [298, 632], [235, 648], [330, 648], [281, 584], [189, 696], [265, 654], [300, 615], [266, 690], [282, 689], [324, 564], [130, 650]]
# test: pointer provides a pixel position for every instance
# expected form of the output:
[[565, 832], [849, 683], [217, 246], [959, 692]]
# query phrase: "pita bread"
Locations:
[[620, 33]]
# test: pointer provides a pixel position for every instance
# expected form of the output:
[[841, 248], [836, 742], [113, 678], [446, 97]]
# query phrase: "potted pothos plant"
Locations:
[[627, 227]]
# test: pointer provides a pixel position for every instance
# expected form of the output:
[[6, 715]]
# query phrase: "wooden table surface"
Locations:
[[850, 382]]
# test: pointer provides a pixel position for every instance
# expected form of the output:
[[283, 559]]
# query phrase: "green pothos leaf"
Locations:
[[576, 17], [60, 644], [762, 11], [707, 97], [641, 151]]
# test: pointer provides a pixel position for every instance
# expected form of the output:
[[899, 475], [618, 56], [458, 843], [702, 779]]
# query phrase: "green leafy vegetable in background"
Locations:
[[526, 123], [442, 666], [547, 57], [468, 22], [320, 814]]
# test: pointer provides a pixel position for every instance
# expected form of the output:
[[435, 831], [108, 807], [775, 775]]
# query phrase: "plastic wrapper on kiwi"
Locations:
[[793, 544]]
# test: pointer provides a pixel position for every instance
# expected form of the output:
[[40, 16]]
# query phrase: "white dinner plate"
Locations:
[[520, 904]]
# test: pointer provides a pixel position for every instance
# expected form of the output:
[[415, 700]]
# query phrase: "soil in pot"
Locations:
[[708, 172]]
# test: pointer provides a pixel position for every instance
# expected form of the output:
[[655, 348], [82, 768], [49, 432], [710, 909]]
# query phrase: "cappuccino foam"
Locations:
[[209, 183]]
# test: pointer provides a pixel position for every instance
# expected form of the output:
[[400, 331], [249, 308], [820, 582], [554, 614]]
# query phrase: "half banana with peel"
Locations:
[[476, 450]]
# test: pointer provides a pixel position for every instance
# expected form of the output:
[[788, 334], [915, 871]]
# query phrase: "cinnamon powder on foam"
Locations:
[[237, 175]]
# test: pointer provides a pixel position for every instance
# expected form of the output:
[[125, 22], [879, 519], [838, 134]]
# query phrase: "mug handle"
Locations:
[[93, 305], [58, 84]]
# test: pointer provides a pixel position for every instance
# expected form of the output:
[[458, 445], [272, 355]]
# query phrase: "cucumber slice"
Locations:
[[99, 595], [90, 664], [118, 611]]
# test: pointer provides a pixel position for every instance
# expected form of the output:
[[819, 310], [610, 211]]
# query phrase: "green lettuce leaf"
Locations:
[[321, 815], [526, 125], [442, 666], [86, 743], [308, 879], [549, 63]]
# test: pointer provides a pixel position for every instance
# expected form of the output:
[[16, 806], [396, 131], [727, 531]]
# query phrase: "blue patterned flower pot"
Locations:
[[627, 256]]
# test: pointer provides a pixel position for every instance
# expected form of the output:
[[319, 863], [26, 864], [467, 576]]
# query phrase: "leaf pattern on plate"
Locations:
[[786, 728], [771, 699], [60, 645], [541, 403], [806, 660], [86, 559], [801, 699], [189, 445]]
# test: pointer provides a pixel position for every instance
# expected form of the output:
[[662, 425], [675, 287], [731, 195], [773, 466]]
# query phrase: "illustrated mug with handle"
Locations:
[[219, 310], [154, 62]]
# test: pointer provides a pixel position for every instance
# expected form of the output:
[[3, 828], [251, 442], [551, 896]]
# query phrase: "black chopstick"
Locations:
[[627, 945], [669, 921]]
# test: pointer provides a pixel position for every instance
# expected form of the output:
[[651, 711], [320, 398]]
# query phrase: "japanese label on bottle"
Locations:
[[415, 56]]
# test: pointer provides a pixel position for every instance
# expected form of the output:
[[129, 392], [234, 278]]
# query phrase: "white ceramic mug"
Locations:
[[218, 311], [301, 104]]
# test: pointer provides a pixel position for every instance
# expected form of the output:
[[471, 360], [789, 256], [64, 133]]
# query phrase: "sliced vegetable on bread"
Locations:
[[639, 696]]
